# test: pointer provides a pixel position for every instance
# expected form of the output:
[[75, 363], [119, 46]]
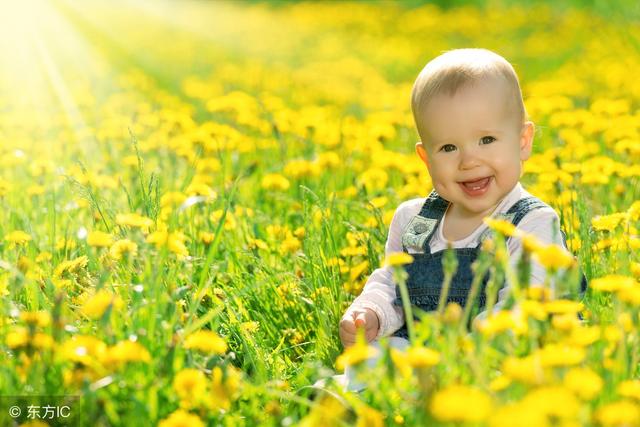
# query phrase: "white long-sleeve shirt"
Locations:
[[379, 292]]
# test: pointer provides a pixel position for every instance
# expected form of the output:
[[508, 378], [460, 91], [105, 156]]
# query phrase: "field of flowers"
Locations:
[[191, 194]]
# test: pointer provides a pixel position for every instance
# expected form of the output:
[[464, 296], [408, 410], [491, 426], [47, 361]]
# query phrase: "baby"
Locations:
[[474, 138]]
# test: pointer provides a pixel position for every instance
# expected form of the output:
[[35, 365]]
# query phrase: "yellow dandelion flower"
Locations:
[[83, 349], [629, 388], [357, 270], [18, 337], [299, 232], [350, 192], [230, 222], [17, 237], [97, 304], [328, 160], [502, 321], [206, 237], [521, 414], [584, 382], [554, 402], [612, 333], [173, 241], [527, 369], [64, 244], [620, 413], [399, 359], [208, 164], [379, 202], [172, 199], [181, 418], [126, 351], [252, 326], [634, 209], [630, 295], [499, 383], [301, 169], [134, 220], [422, 357], [4, 286], [257, 244], [563, 306], [565, 322], [503, 227], [561, 355], [199, 188], [367, 416], [44, 257], [71, 266], [207, 342], [38, 318], [290, 244], [458, 403], [531, 244], [373, 179], [539, 293], [354, 251], [42, 341], [5, 186], [452, 313], [612, 283], [36, 190], [275, 181], [99, 239], [190, 384], [357, 353], [554, 257], [123, 247], [608, 222], [397, 259], [327, 412], [535, 309]]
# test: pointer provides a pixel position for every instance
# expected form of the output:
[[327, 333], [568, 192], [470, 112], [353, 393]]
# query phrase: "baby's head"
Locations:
[[474, 134]]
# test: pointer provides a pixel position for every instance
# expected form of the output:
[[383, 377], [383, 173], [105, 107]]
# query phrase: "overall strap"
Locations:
[[523, 207], [515, 213], [434, 207], [526, 205], [420, 229]]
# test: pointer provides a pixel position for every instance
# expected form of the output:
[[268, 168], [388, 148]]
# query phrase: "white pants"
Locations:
[[349, 381]]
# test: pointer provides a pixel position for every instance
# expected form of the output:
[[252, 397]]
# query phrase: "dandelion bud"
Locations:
[[452, 313], [488, 245]]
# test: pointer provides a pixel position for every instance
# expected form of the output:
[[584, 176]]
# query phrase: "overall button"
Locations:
[[420, 228]]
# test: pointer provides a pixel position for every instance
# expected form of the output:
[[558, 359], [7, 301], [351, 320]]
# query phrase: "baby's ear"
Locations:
[[526, 140], [422, 153]]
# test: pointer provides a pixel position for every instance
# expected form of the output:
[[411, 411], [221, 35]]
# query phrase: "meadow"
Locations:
[[192, 193]]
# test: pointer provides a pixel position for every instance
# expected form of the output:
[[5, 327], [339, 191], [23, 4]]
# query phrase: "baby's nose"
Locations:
[[469, 159]]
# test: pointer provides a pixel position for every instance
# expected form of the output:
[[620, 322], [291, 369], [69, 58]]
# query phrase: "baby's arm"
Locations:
[[544, 224], [379, 292]]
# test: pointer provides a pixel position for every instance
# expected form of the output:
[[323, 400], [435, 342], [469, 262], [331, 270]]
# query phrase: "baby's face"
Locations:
[[475, 143]]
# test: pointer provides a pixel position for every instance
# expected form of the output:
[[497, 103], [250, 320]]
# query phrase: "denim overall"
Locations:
[[425, 272]]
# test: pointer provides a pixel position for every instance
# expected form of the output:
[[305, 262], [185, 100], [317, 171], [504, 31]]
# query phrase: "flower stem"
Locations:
[[450, 266], [400, 277]]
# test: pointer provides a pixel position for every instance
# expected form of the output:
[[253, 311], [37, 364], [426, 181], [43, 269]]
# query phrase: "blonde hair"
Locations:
[[449, 72]]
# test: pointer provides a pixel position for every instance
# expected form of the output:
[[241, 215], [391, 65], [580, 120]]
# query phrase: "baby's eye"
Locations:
[[447, 148], [487, 139]]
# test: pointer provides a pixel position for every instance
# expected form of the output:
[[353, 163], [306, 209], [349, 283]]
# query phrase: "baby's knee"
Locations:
[[399, 343]]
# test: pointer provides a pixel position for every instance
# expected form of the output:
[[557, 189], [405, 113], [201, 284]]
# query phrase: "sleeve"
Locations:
[[544, 224], [379, 293]]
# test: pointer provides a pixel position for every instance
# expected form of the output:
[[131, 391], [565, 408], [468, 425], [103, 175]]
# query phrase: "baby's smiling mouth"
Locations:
[[475, 185]]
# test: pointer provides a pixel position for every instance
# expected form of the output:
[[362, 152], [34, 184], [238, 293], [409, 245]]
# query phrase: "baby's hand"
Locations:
[[356, 319]]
